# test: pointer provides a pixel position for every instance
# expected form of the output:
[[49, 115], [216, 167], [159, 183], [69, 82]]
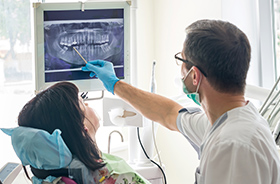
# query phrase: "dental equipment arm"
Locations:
[[262, 109]]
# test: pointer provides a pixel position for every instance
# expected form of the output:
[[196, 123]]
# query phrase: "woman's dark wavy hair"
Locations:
[[58, 108]]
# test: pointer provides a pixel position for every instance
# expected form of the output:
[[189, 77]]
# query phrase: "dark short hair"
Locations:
[[58, 108], [221, 50]]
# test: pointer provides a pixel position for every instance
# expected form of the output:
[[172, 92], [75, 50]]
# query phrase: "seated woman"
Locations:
[[56, 137]]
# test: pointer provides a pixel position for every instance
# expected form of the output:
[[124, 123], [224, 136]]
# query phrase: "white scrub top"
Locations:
[[237, 149]]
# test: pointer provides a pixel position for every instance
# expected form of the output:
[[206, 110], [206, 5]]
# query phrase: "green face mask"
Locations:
[[191, 95]]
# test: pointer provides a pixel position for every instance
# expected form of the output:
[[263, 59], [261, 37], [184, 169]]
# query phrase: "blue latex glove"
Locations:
[[104, 70]]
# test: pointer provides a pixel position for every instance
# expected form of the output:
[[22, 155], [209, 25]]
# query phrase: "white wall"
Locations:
[[161, 32]]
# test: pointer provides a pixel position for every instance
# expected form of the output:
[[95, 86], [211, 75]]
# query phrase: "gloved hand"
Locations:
[[104, 70]]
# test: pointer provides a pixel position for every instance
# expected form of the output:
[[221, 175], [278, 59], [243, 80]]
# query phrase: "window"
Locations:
[[276, 4], [15, 66]]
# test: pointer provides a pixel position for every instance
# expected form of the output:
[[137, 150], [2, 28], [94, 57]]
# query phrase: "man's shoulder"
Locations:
[[253, 133]]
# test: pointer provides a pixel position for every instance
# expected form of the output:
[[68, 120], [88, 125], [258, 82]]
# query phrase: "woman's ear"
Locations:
[[86, 128]]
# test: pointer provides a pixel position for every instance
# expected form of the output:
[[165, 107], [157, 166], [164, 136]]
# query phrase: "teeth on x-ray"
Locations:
[[84, 39], [62, 51], [94, 40]]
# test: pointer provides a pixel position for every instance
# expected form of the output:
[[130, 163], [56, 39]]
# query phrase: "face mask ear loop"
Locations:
[[184, 78], [198, 83]]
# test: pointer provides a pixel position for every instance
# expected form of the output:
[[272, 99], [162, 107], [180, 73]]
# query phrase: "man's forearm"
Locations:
[[153, 106]]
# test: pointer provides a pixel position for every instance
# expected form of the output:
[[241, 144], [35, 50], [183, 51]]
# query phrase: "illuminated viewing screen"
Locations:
[[96, 34], [99, 31]]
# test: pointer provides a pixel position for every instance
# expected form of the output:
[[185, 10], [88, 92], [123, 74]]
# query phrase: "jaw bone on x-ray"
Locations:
[[94, 39]]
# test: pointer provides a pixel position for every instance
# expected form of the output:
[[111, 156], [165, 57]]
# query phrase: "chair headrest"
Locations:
[[38, 148]]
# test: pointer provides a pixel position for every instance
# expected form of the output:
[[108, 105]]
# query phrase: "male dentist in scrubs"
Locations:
[[234, 142]]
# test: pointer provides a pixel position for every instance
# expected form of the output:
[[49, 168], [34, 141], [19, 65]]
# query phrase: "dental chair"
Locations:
[[47, 155], [51, 161]]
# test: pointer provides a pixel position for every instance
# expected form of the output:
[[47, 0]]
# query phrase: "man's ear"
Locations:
[[196, 75]]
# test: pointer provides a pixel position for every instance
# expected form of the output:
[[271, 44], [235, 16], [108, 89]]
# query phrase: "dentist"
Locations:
[[233, 141]]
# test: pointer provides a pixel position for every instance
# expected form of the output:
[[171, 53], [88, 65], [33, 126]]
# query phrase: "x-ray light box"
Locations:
[[98, 30]]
